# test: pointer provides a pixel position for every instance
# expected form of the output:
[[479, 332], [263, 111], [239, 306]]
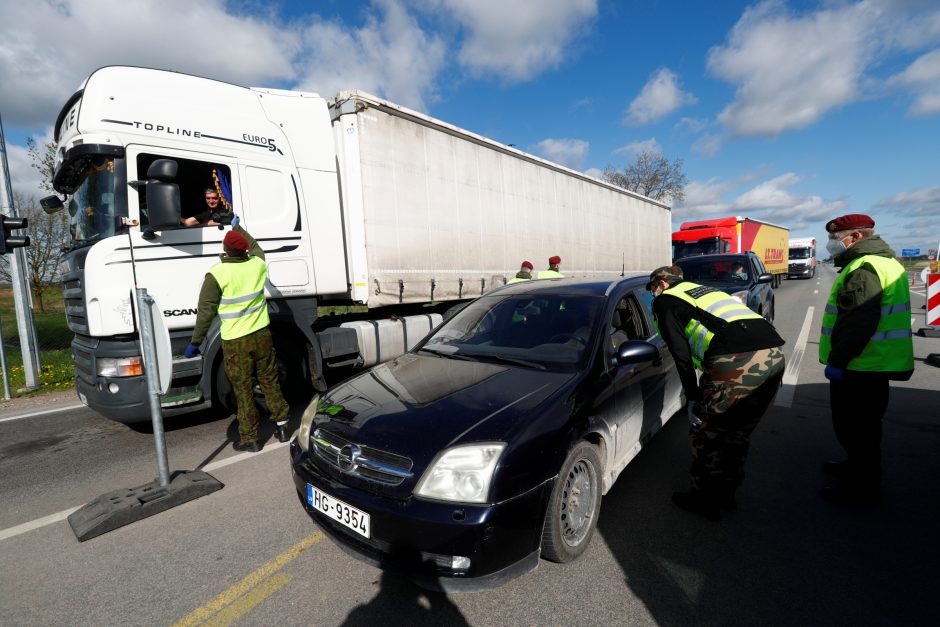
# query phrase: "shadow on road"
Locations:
[[401, 602], [786, 557]]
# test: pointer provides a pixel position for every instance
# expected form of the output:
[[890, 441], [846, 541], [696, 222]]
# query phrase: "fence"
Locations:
[[56, 371]]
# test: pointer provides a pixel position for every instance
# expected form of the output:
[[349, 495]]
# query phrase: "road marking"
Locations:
[[42, 413], [59, 516], [251, 590], [792, 374], [815, 291]]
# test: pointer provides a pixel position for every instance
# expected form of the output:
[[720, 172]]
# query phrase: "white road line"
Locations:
[[792, 374], [815, 291], [42, 413], [64, 514]]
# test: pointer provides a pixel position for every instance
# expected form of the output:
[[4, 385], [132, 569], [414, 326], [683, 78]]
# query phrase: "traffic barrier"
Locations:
[[933, 300]]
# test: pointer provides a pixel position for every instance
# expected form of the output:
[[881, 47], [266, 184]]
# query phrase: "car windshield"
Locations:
[[724, 271], [800, 253], [707, 246], [543, 331], [92, 208]]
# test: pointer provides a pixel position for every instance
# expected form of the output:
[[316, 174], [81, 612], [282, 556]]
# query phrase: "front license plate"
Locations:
[[344, 514]]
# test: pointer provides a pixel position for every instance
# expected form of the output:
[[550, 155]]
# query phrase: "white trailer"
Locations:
[[356, 201]]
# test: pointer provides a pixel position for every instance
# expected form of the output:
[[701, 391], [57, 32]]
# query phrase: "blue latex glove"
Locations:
[[235, 220], [191, 351], [834, 374]]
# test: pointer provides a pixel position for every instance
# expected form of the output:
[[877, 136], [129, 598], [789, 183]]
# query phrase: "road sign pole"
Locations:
[[148, 348]]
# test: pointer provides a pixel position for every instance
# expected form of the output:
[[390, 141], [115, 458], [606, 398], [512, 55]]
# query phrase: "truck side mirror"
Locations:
[[163, 195]]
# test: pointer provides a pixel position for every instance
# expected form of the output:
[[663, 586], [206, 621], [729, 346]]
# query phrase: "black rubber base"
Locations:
[[122, 507], [933, 359], [929, 332]]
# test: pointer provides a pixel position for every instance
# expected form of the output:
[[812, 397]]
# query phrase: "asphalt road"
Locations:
[[249, 554]]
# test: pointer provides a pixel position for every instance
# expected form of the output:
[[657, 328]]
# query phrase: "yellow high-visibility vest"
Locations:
[[891, 348], [550, 274], [243, 309]]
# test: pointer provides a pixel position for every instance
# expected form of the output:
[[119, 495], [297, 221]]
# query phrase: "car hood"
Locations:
[[418, 405]]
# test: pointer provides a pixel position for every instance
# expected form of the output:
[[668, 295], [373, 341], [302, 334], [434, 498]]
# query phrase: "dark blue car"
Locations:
[[491, 443], [742, 276]]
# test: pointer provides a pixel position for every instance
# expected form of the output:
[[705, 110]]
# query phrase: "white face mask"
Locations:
[[835, 247]]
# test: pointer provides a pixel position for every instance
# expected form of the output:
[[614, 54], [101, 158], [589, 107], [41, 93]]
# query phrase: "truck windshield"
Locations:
[[92, 209], [800, 253], [708, 246]]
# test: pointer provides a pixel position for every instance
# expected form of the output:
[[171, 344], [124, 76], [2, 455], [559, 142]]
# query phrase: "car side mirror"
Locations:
[[636, 352], [163, 195], [765, 278]]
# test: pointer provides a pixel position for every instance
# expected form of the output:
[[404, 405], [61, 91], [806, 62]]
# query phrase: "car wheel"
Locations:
[[575, 504], [770, 313]]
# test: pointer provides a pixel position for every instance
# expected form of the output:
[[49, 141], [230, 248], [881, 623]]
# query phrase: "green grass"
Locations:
[[56, 371]]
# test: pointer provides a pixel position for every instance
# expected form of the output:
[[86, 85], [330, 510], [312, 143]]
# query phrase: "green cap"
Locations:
[[672, 274]]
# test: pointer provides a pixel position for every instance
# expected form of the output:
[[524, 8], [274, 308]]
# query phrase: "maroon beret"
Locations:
[[528, 264], [554, 260], [850, 221], [235, 240]]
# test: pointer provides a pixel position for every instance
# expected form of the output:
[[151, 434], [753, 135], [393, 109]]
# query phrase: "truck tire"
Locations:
[[574, 505], [293, 377]]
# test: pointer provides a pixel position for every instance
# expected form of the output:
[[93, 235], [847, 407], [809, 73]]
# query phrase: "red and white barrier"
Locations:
[[933, 300]]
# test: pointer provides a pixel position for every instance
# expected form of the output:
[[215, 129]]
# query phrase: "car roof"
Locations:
[[584, 286], [715, 256]]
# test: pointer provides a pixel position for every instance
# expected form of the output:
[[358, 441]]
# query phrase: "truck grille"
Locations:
[[73, 294], [359, 460]]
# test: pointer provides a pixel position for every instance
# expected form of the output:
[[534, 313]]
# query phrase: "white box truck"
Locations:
[[358, 203], [802, 262]]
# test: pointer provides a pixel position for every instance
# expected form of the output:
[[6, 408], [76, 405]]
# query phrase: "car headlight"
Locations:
[[741, 296], [462, 473], [306, 423], [119, 366]]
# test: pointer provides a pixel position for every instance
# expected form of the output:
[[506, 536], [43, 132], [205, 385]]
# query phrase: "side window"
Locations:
[[205, 191], [758, 266], [628, 322]]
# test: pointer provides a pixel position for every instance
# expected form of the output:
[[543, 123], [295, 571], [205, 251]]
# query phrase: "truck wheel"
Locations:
[[222, 395], [575, 503], [293, 370]]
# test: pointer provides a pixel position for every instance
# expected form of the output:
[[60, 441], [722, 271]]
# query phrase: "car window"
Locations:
[[725, 269], [553, 331], [758, 265], [627, 322]]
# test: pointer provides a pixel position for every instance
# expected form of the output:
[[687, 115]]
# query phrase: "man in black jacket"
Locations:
[[742, 366]]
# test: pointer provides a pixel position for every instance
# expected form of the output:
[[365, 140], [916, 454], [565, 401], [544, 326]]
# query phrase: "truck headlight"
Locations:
[[119, 366], [462, 473], [306, 423], [741, 296]]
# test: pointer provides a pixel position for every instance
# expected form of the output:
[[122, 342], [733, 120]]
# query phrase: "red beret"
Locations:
[[527, 264], [554, 260], [235, 240], [850, 221]]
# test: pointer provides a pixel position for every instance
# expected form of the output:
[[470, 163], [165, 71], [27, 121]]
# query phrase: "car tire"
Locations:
[[574, 506], [770, 313]]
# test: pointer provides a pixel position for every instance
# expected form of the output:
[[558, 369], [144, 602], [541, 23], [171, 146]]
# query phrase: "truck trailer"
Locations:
[[802, 262], [735, 234], [375, 219]]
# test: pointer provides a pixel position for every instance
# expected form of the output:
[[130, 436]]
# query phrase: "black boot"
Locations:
[[839, 470], [281, 433], [253, 447], [698, 502]]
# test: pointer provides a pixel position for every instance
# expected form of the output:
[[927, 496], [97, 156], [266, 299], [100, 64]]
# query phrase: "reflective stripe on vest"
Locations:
[[242, 309], [891, 347], [713, 301]]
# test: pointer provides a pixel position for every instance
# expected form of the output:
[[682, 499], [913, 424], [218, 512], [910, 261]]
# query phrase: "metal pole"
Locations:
[[145, 326], [3, 365], [18, 266]]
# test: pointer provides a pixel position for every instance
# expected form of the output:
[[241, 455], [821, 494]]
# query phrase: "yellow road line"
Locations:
[[243, 587], [245, 604]]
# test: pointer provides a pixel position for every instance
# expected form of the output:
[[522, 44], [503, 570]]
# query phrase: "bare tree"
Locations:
[[652, 175], [47, 234], [43, 161]]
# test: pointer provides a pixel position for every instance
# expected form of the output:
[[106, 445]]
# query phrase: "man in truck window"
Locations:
[[214, 214], [865, 343], [234, 289]]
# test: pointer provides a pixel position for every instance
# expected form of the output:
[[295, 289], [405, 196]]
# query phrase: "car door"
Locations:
[[630, 402]]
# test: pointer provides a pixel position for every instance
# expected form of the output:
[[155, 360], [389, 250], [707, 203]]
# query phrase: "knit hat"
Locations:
[[850, 221], [554, 261], [235, 241]]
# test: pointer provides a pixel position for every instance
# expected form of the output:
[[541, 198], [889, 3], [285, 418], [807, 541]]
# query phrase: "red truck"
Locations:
[[735, 234]]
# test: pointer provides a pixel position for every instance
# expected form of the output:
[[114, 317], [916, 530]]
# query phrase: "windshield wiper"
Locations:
[[445, 354], [506, 359]]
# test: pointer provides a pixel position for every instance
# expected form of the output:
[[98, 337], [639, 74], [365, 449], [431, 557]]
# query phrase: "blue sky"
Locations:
[[792, 112]]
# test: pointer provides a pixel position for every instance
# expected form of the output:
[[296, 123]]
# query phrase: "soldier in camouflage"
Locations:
[[742, 366], [234, 289]]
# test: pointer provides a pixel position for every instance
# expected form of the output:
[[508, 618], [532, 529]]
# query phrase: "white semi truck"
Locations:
[[802, 258], [356, 201]]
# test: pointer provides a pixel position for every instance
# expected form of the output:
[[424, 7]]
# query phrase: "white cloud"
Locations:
[[595, 172], [390, 56], [791, 70], [769, 194], [39, 68], [636, 148], [518, 40], [24, 178], [924, 201], [567, 152], [660, 96], [708, 145], [923, 78]]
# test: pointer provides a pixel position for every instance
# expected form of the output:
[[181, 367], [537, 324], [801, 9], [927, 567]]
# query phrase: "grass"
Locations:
[[56, 371]]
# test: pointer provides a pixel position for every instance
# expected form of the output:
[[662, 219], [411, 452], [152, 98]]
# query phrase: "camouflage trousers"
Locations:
[[245, 357], [736, 391]]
